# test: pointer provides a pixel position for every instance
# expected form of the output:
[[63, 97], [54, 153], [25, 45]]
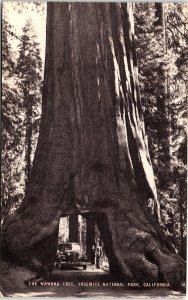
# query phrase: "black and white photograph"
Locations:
[[94, 149]]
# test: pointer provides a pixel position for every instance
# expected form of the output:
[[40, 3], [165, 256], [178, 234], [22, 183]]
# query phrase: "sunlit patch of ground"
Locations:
[[90, 292], [155, 293], [33, 294]]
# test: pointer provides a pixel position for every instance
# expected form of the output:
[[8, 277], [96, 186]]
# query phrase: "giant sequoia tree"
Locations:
[[92, 155]]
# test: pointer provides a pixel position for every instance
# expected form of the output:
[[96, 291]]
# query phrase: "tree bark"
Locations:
[[182, 209], [92, 154], [90, 235], [28, 139], [73, 228]]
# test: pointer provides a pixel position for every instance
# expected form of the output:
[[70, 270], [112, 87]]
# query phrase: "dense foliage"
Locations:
[[11, 145], [161, 41], [21, 109], [28, 71]]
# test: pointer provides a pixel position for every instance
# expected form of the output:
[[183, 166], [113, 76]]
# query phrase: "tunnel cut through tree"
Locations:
[[84, 231], [92, 154]]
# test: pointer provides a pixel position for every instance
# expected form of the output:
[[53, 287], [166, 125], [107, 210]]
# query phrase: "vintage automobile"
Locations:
[[70, 255]]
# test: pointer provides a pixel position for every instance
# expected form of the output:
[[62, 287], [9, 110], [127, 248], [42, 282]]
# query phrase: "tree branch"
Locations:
[[184, 35]]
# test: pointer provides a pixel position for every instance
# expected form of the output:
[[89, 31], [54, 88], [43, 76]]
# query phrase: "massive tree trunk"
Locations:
[[92, 154]]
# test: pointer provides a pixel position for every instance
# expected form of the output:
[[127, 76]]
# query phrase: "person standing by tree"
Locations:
[[98, 254], [93, 257]]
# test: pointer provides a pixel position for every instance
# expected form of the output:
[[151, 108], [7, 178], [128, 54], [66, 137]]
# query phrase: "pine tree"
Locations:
[[29, 67], [11, 190], [165, 108]]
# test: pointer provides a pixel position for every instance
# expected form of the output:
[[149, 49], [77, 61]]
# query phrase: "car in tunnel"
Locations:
[[70, 255]]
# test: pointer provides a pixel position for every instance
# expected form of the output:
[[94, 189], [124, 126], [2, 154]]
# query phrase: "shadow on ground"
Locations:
[[88, 283]]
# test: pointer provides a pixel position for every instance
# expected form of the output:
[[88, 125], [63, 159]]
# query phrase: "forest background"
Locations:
[[161, 31]]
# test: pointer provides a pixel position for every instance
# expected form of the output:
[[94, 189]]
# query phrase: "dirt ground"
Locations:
[[73, 283]]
